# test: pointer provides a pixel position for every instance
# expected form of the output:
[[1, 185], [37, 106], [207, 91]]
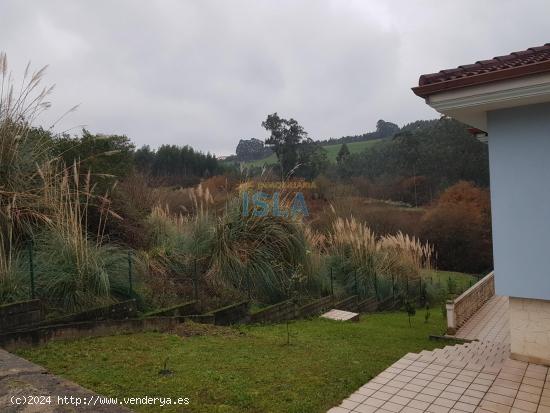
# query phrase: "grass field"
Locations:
[[462, 281], [332, 152], [246, 369]]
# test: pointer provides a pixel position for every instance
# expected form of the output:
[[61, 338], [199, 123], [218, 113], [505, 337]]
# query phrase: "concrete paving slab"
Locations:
[[341, 315]]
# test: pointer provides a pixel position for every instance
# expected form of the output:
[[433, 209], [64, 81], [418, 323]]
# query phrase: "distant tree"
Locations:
[[175, 162], [383, 130], [285, 138], [386, 129], [312, 160], [441, 151], [144, 158], [107, 157], [343, 154], [251, 149], [342, 162]]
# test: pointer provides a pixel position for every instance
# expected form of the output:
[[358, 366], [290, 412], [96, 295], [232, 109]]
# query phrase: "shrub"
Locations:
[[459, 225], [435, 294]]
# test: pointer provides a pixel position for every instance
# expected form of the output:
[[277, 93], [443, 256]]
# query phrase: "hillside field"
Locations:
[[332, 151]]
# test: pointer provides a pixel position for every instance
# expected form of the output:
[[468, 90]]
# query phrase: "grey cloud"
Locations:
[[207, 72]]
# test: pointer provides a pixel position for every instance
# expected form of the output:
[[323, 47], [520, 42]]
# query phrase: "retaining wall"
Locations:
[[231, 314], [116, 311], [285, 310], [315, 307], [348, 304], [20, 314], [41, 335], [188, 308]]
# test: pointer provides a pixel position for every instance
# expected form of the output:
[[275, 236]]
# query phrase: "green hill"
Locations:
[[332, 152]]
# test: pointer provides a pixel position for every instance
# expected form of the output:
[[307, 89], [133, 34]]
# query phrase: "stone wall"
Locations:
[[530, 330], [21, 314], [466, 305]]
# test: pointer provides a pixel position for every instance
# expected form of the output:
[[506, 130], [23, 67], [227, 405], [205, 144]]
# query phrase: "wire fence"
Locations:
[[379, 288]]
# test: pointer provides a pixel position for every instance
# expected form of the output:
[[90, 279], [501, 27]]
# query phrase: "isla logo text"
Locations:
[[262, 204]]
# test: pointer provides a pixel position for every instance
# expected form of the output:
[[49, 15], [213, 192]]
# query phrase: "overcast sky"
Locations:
[[206, 73]]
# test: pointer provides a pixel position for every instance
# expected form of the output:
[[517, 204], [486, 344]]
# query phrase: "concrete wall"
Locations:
[[519, 153]]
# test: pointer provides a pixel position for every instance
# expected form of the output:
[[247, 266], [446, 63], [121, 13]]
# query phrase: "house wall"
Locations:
[[519, 152]]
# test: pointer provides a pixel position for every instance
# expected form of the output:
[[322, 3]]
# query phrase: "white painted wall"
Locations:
[[519, 153]]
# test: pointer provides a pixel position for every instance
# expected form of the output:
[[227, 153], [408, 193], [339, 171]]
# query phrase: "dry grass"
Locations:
[[20, 207], [187, 201], [42, 199], [410, 248], [398, 258], [75, 268]]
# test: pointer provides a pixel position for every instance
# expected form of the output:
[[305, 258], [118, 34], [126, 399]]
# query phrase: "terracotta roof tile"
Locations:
[[522, 63]]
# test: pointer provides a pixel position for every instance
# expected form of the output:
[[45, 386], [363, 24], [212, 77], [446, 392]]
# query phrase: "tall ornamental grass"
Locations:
[[21, 207], [372, 264], [180, 247], [76, 268], [266, 258], [260, 256]]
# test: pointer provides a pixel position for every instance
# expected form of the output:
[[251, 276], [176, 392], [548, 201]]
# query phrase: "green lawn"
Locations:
[[245, 369], [461, 280], [332, 151]]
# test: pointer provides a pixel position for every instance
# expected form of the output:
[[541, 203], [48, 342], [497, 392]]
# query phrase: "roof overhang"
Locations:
[[471, 104]]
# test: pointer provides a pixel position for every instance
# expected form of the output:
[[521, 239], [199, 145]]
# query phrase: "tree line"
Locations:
[[426, 156], [413, 164], [173, 160], [111, 157]]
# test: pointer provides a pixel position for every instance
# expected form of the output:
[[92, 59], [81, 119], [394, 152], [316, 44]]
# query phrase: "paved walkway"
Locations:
[[415, 385], [476, 377], [20, 378], [490, 323]]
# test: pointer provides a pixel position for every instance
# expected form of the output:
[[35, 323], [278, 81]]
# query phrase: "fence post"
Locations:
[[130, 289], [31, 269], [356, 286], [331, 283]]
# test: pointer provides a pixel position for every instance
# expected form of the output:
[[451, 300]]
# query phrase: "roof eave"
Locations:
[[426, 90]]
